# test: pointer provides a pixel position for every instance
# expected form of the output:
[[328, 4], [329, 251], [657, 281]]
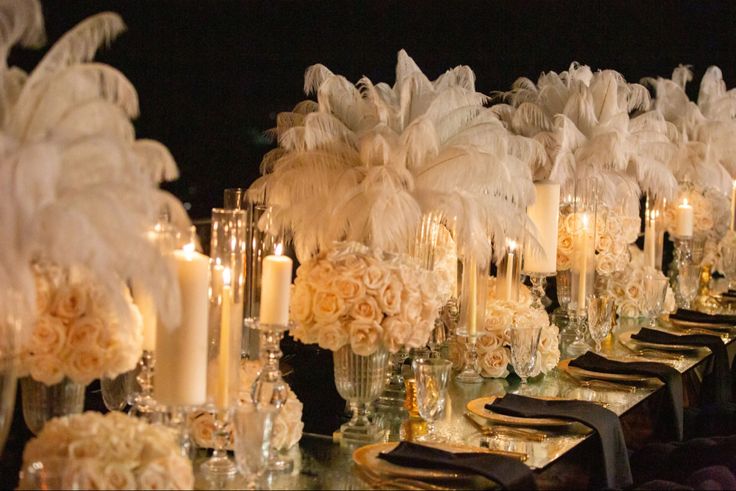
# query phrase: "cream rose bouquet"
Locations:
[[613, 234], [77, 332], [288, 426], [627, 290], [362, 297], [494, 340], [114, 451]]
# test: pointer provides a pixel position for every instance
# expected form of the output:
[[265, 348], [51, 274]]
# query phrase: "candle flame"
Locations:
[[684, 202], [279, 250], [584, 218], [226, 277], [512, 245], [189, 247]]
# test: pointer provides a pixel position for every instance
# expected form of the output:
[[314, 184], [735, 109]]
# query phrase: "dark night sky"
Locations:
[[211, 74]]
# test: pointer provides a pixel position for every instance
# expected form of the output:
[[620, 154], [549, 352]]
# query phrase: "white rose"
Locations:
[[85, 365], [366, 309], [614, 226], [491, 341], [631, 227], [605, 243], [48, 337], [321, 275], [456, 353], [179, 470], [84, 474], [83, 332], [494, 364], [565, 244], [332, 336], [327, 306], [605, 264], [419, 335], [153, 476], [288, 425], [350, 265], [396, 331], [564, 261], [118, 476], [46, 368], [633, 291], [301, 302], [306, 333], [203, 429], [389, 297], [411, 305], [85, 448], [376, 275], [70, 302], [365, 337], [670, 305], [348, 288], [628, 308]]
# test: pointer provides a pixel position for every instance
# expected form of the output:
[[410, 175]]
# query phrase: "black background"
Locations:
[[212, 74]]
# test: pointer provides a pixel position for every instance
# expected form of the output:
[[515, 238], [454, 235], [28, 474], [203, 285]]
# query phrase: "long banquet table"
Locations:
[[559, 461]]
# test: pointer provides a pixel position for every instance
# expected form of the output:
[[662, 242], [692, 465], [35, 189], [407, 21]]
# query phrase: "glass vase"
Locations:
[[42, 402], [10, 325], [360, 380]]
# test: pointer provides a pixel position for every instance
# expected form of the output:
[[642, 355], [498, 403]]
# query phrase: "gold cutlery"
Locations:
[[379, 481], [653, 353], [601, 384], [530, 434]]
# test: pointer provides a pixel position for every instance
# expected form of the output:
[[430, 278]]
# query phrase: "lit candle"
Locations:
[[147, 308], [276, 289], [472, 298], [223, 379], [544, 214], [583, 256], [684, 222], [181, 355], [733, 204], [650, 239], [510, 269]]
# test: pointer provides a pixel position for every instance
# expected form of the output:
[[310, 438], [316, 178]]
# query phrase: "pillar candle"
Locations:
[[275, 289], [181, 355], [650, 239], [684, 222], [144, 301], [544, 214], [223, 374]]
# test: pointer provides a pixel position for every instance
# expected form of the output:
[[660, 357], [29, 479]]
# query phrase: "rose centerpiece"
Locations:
[[628, 290], [362, 303], [114, 451]]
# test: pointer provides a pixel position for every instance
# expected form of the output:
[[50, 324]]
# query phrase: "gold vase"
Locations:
[[704, 302]]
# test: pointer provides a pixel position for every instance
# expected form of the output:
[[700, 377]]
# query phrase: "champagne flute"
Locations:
[[252, 430], [655, 289]]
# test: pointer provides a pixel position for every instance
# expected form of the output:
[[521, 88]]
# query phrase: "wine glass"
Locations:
[[655, 289], [600, 310], [431, 375], [564, 279], [688, 280], [728, 263], [524, 349], [252, 430]]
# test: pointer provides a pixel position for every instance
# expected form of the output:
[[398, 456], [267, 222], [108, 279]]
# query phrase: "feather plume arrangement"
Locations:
[[76, 187], [594, 124], [704, 131], [367, 160]]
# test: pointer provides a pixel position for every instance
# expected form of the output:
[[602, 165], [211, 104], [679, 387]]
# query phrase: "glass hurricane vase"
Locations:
[[43, 402], [9, 348], [360, 380]]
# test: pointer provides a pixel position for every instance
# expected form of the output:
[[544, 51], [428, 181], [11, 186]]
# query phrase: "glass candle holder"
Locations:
[[472, 316]]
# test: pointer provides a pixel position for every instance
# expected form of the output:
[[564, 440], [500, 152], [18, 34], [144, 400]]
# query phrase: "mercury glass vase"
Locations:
[[360, 380], [10, 325], [43, 402]]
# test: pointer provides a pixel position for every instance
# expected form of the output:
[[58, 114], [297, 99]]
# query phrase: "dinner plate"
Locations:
[[625, 338], [613, 377], [367, 456], [477, 407], [702, 325]]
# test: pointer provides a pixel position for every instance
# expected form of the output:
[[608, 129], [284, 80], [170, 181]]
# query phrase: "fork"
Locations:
[[384, 482], [601, 384], [497, 430]]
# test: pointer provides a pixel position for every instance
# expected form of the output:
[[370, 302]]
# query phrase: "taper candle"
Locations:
[[181, 354], [510, 270], [684, 223], [472, 297], [583, 256], [222, 396], [276, 289], [147, 308]]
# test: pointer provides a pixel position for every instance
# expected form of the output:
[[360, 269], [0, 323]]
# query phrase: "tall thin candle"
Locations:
[[472, 297], [510, 270], [583, 256], [223, 379]]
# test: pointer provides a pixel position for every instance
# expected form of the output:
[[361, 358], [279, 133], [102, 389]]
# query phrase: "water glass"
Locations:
[[431, 375], [655, 289], [600, 311], [688, 280], [524, 350], [728, 264], [252, 430]]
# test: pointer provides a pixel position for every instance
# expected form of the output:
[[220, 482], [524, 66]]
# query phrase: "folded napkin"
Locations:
[[729, 294], [717, 384], [701, 318], [614, 456], [508, 472], [672, 423]]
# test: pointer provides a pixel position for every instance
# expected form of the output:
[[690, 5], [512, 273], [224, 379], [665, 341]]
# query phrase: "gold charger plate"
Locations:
[[625, 338], [477, 407], [613, 377], [367, 456], [702, 325]]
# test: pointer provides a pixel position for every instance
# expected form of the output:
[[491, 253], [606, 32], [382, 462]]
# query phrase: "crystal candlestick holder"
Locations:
[[143, 405], [470, 372], [683, 256], [539, 297], [269, 386], [220, 465]]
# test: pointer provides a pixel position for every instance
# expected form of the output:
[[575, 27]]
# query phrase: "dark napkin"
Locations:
[[672, 423], [701, 318], [508, 472], [729, 294], [716, 384], [614, 456]]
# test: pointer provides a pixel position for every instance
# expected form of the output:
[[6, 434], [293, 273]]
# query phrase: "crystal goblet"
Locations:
[[431, 375], [654, 290], [524, 349], [252, 430], [600, 310], [688, 280]]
